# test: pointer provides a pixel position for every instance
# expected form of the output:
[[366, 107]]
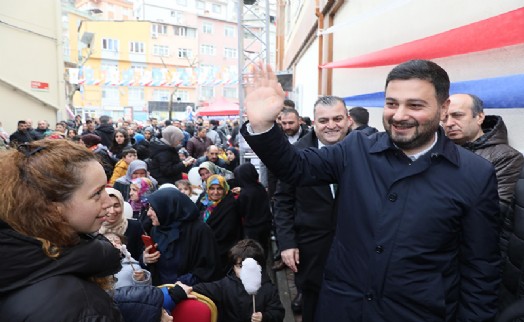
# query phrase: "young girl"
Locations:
[[185, 187]]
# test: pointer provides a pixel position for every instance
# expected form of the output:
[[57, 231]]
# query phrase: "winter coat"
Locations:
[[226, 224], [493, 146], [139, 303], [512, 289], [119, 171], [305, 218], [253, 205], [234, 304], [34, 287], [366, 129], [414, 240], [106, 132], [165, 165], [196, 147]]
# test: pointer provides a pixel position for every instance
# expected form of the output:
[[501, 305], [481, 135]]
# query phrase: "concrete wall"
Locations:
[[31, 51]]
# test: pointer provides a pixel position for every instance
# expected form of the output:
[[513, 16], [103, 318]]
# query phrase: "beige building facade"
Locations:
[[31, 62]]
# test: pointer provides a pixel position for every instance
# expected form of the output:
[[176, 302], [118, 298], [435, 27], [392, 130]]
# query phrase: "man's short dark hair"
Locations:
[[478, 105], [360, 115], [21, 122], [289, 103], [424, 70], [289, 110], [104, 119]]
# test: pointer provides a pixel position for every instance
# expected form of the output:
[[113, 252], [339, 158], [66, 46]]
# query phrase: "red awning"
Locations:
[[499, 31], [219, 107]]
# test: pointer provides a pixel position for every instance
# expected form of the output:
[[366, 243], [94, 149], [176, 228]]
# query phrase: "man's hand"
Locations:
[[291, 258], [264, 97], [256, 317]]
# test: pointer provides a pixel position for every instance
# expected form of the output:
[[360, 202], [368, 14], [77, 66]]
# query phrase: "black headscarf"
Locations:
[[246, 174], [172, 209]]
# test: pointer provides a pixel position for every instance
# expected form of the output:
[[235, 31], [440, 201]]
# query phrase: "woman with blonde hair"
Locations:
[[53, 269]]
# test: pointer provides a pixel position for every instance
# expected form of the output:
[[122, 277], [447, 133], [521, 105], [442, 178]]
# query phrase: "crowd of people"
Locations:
[[414, 223]]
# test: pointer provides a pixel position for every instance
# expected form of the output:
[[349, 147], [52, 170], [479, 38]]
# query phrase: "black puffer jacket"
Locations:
[[493, 146], [34, 287], [512, 290], [106, 132], [235, 305], [165, 165]]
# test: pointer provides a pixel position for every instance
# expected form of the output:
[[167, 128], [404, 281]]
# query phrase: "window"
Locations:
[[216, 8], [138, 70], [185, 53], [161, 95], [183, 95], [207, 28], [110, 44], [207, 92], [230, 92], [230, 53], [181, 2], [110, 93], [207, 49], [230, 31], [136, 94], [158, 29], [201, 5], [160, 50], [185, 32], [136, 47], [178, 16]]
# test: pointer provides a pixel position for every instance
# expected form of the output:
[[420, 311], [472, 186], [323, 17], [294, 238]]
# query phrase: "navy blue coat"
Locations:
[[415, 240]]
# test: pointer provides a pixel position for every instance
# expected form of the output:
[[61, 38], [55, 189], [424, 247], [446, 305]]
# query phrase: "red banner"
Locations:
[[499, 31]]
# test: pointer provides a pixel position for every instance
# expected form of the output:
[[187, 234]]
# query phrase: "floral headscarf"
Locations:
[[211, 205], [145, 187]]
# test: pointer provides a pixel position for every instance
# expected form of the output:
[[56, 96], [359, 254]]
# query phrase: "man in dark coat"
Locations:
[[105, 130], [305, 216], [417, 216], [486, 135], [22, 135], [359, 119]]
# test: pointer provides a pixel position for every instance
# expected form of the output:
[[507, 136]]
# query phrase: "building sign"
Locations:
[[39, 86]]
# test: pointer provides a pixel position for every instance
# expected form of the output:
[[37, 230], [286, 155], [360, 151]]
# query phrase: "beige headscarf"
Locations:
[[172, 135], [120, 226]]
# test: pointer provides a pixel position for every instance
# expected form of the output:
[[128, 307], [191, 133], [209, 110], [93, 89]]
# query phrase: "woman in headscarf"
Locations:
[[253, 205], [218, 209], [233, 158], [186, 248], [165, 164], [136, 169], [116, 223], [139, 190]]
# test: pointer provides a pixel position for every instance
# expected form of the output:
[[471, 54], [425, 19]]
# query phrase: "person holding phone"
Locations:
[[53, 199], [186, 249]]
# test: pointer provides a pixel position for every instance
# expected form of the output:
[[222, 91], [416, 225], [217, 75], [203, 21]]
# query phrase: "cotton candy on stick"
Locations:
[[127, 255], [251, 277]]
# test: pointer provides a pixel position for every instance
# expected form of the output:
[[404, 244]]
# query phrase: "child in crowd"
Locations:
[[131, 272], [128, 155], [229, 295], [185, 187]]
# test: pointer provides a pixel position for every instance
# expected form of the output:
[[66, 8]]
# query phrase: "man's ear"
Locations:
[[480, 118], [444, 110]]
